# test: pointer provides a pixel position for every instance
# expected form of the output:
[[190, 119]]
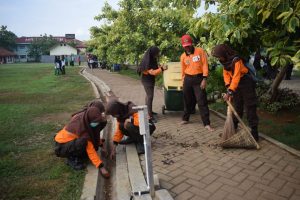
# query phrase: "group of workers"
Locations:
[[80, 138]]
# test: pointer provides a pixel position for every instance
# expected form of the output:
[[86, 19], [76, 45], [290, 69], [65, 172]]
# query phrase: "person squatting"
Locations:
[[80, 139]]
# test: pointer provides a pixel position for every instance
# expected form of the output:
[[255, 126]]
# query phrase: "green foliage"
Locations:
[[215, 81], [137, 25], [247, 25], [41, 46], [7, 38], [286, 99]]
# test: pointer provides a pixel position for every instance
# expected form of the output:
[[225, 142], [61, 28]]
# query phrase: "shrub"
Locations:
[[286, 98]]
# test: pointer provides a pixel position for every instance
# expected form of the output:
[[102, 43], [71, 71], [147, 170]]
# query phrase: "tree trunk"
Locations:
[[274, 87]]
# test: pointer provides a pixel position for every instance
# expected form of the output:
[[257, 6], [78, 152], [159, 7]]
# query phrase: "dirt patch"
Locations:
[[282, 117], [57, 117]]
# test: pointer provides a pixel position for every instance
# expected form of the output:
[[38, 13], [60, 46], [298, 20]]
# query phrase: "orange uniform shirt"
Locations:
[[233, 79], [118, 133], [65, 136], [195, 63]]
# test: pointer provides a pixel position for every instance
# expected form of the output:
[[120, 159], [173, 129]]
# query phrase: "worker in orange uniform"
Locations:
[[194, 71], [80, 138], [127, 124], [240, 86], [148, 69]]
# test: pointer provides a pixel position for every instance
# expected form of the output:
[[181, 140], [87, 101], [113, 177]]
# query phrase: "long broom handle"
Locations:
[[241, 121]]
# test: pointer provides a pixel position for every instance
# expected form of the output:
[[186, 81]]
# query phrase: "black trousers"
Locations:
[[133, 131], [149, 89], [74, 148], [245, 96], [191, 86]]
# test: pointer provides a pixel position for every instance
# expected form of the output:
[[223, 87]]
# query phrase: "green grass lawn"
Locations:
[[34, 105]]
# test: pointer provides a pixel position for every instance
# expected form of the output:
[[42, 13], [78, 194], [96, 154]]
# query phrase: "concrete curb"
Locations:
[[267, 138], [90, 180], [129, 174]]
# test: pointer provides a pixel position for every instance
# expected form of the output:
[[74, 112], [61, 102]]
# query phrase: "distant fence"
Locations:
[[50, 59]]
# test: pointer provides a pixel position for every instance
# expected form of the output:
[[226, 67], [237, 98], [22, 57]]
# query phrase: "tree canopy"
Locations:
[[246, 25], [7, 38], [41, 46], [136, 26]]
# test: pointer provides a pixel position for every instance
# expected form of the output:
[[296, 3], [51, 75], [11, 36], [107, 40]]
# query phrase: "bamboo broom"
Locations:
[[229, 129], [243, 139]]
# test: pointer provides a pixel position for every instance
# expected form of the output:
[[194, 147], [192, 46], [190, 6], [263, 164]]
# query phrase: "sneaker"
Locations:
[[140, 148], [128, 140]]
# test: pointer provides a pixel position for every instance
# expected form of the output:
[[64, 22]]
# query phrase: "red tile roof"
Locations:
[[5, 52], [58, 38]]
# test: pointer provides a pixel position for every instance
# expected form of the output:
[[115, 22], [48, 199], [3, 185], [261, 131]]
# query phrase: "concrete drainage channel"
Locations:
[[126, 172]]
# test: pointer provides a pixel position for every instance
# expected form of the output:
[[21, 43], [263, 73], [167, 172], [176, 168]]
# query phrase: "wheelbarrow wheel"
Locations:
[[163, 108]]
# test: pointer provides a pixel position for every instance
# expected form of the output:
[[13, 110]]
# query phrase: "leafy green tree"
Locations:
[[7, 38], [41, 46], [136, 26], [249, 24]]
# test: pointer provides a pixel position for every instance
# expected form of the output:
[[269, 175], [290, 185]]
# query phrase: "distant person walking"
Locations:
[[194, 71], [66, 60], [72, 60], [148, 69], [63, 65], [78, 60], [240, 86], [56, 66]]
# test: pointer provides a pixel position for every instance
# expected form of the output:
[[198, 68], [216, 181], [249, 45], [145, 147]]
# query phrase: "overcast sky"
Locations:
[[55, 17]]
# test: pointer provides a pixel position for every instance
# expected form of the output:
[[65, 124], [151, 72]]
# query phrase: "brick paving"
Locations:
[[191, 166]]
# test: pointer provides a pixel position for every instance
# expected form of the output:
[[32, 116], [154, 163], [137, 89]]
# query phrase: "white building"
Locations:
[[63, 49]]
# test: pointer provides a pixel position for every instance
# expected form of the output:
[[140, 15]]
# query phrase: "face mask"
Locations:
[[94, 124]]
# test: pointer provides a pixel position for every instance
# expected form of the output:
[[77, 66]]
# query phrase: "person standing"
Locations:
[[240, 86], [78, 60], [66, 60], [148, 69], [63, 65], [194, 72], [56, 65]]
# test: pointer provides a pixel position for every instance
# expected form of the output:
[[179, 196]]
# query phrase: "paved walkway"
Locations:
[[190, 165], [293, 84]]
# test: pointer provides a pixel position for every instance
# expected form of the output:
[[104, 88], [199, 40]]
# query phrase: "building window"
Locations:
[[22, 56], [22, 47]]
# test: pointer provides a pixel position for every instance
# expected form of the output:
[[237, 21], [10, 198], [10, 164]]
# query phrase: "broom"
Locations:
[[243, 139], [228, 130]]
